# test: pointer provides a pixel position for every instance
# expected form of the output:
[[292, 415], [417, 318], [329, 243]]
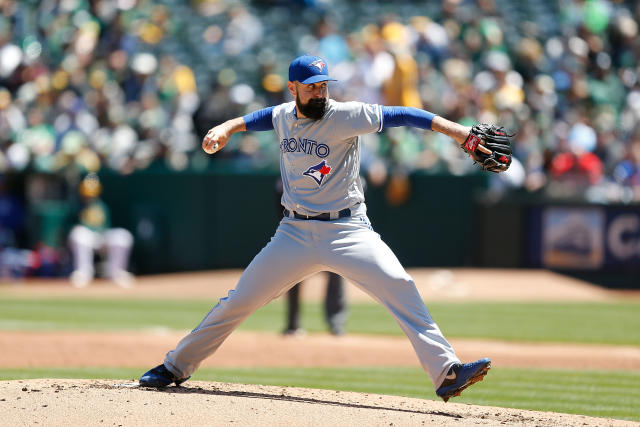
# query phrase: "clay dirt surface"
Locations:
[[54, 402], [91, 402]]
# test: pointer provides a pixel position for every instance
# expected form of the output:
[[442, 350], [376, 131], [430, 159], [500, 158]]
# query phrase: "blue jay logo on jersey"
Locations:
[[318, 172]]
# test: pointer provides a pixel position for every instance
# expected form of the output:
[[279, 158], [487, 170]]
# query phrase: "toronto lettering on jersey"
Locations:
[[307, 146]]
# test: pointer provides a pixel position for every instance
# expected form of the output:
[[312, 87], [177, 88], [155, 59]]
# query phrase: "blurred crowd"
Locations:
[[126, 84]]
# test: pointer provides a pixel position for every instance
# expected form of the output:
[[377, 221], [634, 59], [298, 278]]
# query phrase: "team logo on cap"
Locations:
[[318, 172], [319, 64]]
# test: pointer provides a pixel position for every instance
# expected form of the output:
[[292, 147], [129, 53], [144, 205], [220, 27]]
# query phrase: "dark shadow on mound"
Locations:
[[271, 396]]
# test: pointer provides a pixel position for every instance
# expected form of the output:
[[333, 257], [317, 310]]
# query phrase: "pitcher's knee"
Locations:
[[232, 306], [399, 289], [404, 282]]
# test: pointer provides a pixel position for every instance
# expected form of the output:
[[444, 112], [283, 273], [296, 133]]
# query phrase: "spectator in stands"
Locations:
[[118, 84]]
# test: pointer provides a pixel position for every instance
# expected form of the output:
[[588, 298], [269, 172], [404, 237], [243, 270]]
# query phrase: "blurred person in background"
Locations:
[[12, 216], [335, 307], [94, 233], [15, 262]]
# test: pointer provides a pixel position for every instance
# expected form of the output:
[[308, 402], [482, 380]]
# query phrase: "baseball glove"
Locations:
[[489, 146]]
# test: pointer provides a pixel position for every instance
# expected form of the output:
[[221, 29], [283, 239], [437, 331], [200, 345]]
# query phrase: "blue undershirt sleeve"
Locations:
[[406, 116], [259, 120]]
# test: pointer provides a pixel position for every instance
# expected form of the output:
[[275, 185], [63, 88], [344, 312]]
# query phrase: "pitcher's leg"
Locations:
[[281, 264], [362, 257]]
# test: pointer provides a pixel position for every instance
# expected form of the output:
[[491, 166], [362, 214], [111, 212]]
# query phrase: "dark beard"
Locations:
[[314, 109]]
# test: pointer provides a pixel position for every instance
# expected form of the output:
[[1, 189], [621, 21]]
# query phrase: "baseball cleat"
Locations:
[[160, 377], [462, 376]]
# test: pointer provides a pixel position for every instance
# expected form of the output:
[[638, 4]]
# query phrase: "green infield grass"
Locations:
[[612, 394], [604, 323]]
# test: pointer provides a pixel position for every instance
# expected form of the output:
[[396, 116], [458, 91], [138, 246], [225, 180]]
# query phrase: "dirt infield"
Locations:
[[111, 403], [71, 402], [135, 349], [464, 284], [253, 349]]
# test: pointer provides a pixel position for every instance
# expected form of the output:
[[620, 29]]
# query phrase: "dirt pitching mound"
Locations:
[[55, 402]]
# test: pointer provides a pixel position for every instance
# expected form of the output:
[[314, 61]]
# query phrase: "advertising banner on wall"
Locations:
[[572, 238], [584, 238]]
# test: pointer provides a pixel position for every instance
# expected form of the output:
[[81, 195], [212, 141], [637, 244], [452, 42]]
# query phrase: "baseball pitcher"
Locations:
[[325, 225]]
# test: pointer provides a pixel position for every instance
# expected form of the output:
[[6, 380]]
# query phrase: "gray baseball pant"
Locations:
[[301, 248]]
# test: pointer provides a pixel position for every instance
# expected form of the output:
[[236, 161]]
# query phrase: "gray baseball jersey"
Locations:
[[320, 159]]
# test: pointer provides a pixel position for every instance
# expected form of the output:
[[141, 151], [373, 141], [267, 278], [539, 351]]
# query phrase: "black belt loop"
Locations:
[[326, 216]]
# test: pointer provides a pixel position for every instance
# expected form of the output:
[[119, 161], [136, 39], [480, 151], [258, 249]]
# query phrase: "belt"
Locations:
[[326, 216]]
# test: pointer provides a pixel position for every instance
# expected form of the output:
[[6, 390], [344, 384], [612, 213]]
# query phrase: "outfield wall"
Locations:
[[596, 242], [221, 219], [192, 221]]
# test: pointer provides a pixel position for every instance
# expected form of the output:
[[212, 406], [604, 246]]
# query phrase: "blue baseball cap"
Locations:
[[309, 69]]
